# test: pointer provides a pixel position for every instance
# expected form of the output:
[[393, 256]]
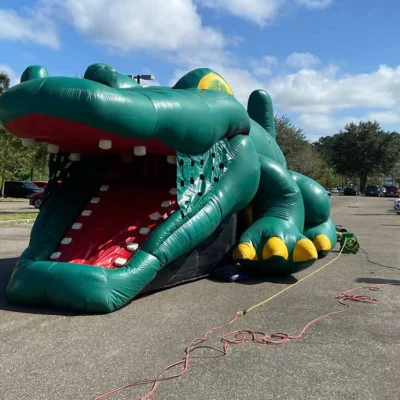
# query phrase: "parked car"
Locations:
[[350, 191], [36, 199], [373, 190], [392, 191], [40, 184], [20, 189], [397, 206]]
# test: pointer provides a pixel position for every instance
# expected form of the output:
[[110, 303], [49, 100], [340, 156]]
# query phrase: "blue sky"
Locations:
[[324, 62]]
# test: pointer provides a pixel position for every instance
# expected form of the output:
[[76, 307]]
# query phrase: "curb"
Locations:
[[17, 222]]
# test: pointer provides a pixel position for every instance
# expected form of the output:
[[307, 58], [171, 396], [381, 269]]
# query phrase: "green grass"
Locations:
[[10, 199], [15, 216]]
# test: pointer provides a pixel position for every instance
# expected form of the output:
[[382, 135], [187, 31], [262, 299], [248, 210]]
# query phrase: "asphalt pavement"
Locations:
[[10, 207], [45, 354]]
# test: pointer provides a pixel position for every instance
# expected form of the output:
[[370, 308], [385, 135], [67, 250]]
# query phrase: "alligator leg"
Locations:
[[274, 242], [318, 226]]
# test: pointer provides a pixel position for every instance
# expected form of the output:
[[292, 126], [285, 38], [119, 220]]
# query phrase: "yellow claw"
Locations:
[[322, 243], [245, 251], [275, 247], [304, 250]]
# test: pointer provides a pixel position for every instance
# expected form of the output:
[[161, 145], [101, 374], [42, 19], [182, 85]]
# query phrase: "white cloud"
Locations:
[[302, 60], [34, 27], [383, 117], [321, 91], [261, 12], [257, 11], [144, 25], [14, 78], [314, 3], [263, 66], [324, 124]]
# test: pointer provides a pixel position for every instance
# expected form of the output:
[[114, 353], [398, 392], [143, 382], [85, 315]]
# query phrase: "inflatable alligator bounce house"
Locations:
[[154, 186]]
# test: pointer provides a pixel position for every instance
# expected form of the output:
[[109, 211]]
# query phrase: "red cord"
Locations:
[[241, 336]]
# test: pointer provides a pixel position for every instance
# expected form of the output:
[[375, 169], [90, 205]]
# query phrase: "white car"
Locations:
[[397, 206]]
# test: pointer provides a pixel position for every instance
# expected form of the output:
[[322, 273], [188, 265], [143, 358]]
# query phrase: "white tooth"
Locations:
[[77, 225], [105, 144], [139, 150], [53, 148], [119, 262], [75, 156], [66, 240], [166, 203], [155, 216], [86, 213], [95, 200], [104, 188], [27, 142], [173, 191], [132, 246], [171, 159], [144, 231], [55, 255]]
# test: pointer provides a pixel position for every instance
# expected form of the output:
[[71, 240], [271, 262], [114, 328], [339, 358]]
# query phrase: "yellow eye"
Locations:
[[214, 82]]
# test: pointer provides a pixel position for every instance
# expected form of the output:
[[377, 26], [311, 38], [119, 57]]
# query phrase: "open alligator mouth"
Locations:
[[147, 175], [136, 195]]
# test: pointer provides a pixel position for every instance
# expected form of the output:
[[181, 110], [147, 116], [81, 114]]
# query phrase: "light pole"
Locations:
[[144, 77]]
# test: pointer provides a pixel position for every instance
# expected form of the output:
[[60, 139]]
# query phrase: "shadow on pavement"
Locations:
[[378, 281], [6, 267]]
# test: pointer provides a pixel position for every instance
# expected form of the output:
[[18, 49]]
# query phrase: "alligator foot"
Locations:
[[275, 246], [323, 236]]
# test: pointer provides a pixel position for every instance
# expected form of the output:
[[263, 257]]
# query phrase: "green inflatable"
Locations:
[[141, 178]]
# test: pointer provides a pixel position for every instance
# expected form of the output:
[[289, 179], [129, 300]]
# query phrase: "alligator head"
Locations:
[[138, 177]]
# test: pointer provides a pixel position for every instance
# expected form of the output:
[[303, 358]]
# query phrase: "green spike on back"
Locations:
[[260, 109]]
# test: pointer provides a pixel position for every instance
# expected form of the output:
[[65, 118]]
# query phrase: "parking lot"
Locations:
[[20, 206], [46, 354]]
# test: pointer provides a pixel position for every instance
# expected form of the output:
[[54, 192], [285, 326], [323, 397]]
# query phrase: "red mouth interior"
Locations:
[[114, 222], [77, 137]]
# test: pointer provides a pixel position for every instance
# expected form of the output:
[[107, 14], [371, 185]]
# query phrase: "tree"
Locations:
[[4, 82], [299, 153], [18, 162], [361, 150], [291, 140]]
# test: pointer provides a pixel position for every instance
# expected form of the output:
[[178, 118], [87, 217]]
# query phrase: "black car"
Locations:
[[373, 190], [20, 189], [350, 191], [392, 191]]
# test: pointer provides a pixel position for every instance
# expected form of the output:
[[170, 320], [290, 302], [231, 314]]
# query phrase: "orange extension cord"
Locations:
[[241, 336]]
